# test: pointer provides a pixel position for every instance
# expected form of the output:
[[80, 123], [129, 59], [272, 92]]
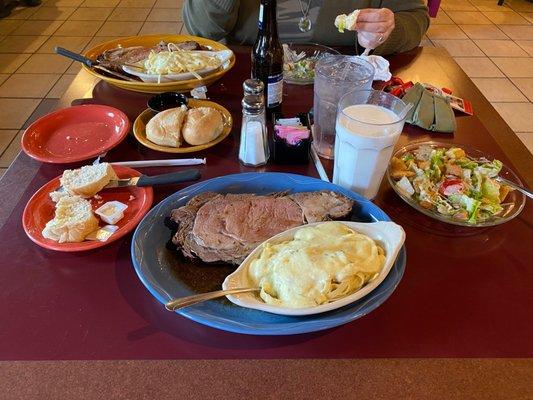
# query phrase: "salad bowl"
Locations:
[[299, 61], [511, 206]]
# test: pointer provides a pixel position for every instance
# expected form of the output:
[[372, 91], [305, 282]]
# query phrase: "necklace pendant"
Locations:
[[304, 24]]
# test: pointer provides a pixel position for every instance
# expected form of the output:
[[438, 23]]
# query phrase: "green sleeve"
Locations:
[[412, 22], [213, 19]]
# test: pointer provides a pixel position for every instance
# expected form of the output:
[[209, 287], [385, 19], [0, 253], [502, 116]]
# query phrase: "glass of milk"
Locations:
[[368, 125]]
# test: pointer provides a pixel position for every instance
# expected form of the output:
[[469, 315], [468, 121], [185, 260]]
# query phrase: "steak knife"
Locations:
[[164, 179]]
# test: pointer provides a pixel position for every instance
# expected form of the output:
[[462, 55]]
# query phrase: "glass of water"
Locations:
[[335, 76]]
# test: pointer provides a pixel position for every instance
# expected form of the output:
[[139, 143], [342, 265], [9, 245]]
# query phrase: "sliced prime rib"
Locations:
[[215, 227]]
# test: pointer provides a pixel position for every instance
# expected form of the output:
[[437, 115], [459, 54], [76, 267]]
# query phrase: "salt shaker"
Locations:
[[253, 150], [253, 86]]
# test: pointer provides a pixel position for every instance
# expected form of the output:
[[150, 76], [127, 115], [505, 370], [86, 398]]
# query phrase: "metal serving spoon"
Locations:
[[182, 302]]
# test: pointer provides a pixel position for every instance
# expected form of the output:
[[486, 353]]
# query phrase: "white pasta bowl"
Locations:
[[389, 235], [223, 55]]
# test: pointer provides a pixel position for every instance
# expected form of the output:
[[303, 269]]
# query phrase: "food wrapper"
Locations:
[[456, 103]]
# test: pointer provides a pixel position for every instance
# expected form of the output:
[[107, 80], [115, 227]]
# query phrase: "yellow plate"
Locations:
[[152, 40], [139, 128]]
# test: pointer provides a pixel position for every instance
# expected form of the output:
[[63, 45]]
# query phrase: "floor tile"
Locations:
[[518, 32], [14, 112], [426, 43], [91, 14], [97, 40], [150, 28], [445, 32], [457, 5], [3, 77], [61, 86], [45, 64], [528, 16], [483, 32], [469, 17], [9, 25], [515, 67], [441, 19], [506, 18], [490, 5], [520, 5], [460, 47], [21, 44], [74, 68], [517, 115], [129, 14], [79, 28], [477, 67], [6, 137], [53, 13], [62, 3], [499, 90], [527, 139], [165, 14], [12, 151], [22, 12], [117, 28], [168, 4], [10, 62], [527, 45], [76, 44], [100, 3], [526, 86], [42, 28], [136, 3], [28, 85], [501, 48]]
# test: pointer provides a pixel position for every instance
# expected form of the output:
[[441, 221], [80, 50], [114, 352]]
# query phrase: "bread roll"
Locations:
[[73, 220], [165, 128], [202, 125], [87, 180]]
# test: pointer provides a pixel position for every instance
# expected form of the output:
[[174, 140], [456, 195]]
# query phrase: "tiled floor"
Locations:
[[494, 46]]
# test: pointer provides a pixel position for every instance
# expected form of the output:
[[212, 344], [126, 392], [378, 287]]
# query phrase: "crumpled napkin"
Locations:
[[430, 111], [381, 67]]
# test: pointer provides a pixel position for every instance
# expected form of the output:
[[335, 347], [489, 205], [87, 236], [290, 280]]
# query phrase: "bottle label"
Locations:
[[260, 23], [274, 90]]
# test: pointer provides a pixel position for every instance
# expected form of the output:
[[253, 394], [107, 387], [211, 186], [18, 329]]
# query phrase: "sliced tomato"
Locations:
[[451, 186]]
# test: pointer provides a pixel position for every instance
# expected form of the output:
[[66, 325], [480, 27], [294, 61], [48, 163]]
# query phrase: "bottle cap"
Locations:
[[253, 103], [253, 86]]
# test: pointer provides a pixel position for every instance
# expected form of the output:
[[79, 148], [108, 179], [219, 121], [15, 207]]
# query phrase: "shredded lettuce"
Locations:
[[490, 189]]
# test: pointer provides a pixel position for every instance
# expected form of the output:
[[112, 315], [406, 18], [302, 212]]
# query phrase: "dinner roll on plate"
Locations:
[[73, 220], [87, 180], [202, 125], [165, 128]]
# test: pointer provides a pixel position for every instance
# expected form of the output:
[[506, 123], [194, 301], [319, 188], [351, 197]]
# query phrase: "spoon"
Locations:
[[183, 302]]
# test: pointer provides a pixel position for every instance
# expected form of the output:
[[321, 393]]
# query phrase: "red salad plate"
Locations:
[[75, 133], [41, 209]]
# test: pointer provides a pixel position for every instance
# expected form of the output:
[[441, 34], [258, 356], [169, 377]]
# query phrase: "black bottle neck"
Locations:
[[268, 24]]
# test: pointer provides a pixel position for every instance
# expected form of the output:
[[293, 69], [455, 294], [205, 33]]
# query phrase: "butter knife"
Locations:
[[165, 179]]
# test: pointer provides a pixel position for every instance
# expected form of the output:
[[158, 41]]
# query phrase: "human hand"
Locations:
[[374, 25]]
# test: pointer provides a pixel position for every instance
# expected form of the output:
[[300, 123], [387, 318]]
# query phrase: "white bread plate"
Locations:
[[389, 235], [223, 55]]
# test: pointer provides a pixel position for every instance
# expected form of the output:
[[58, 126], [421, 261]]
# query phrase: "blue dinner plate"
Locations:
[[167, 275]]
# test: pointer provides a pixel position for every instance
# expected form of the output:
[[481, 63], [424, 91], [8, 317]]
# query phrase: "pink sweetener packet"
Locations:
[[292, 134]]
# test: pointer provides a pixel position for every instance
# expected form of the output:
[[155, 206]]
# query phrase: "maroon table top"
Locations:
[[465, 292]]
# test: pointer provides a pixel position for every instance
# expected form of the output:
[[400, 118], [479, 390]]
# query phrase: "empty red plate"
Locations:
[[75, 133], [41, 209]]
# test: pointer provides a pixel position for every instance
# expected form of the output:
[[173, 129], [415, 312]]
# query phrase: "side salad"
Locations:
[[450, 183]]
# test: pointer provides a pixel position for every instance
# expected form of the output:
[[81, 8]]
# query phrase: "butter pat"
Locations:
[[111, 212], [102, 234]]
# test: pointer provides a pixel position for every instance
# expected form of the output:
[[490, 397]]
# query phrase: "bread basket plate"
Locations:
[[40, 209], [223, 55], [168, 276], [389, 235], [139, 128], [75, 133], [154, 87]]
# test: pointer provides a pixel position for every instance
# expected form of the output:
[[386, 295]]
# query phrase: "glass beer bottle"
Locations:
[[267, 56]]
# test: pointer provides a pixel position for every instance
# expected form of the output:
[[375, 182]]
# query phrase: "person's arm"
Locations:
[[411, 23], [213, 19]]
